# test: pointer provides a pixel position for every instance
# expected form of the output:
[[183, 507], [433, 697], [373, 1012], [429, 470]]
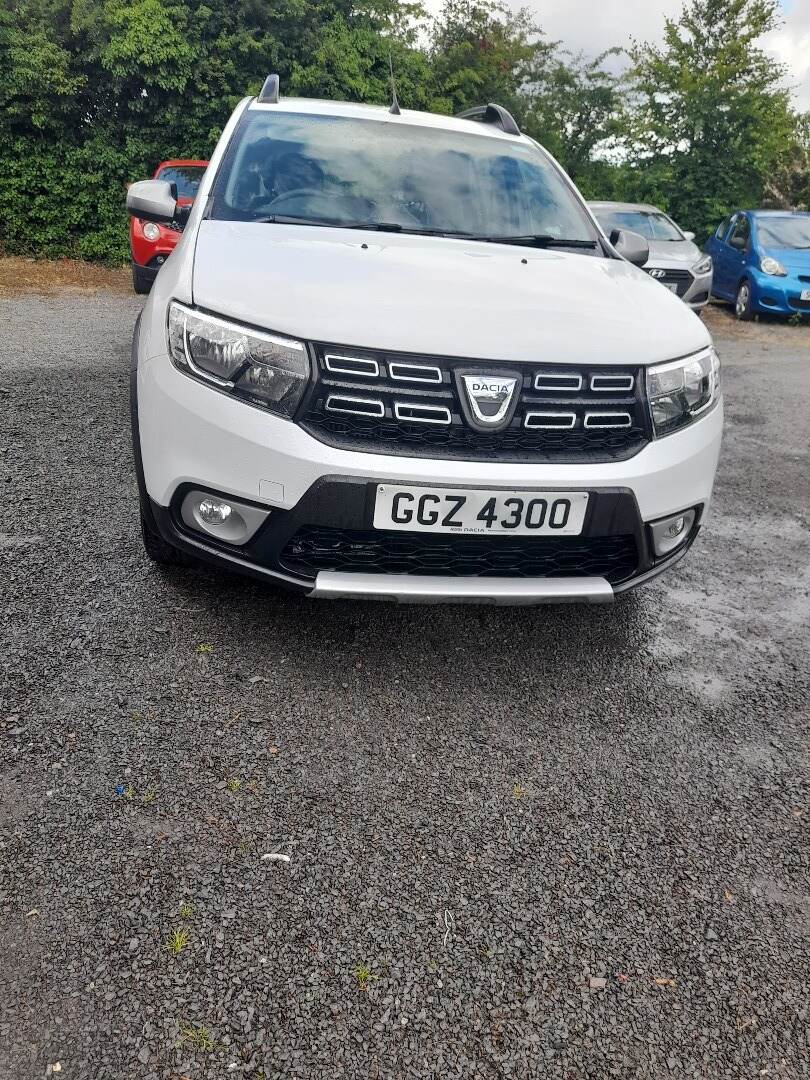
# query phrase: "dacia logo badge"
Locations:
[[490, 397]]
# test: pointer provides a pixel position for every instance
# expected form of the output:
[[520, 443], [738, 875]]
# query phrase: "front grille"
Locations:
[[799, 304], [681, 279], [390, 403], [314, 549]]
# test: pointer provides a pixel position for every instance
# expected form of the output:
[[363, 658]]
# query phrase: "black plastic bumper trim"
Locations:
[[348, 503]]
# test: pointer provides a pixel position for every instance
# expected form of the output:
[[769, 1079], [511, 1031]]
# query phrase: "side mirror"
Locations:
[[631, 246], [152, 200], [689, 235]]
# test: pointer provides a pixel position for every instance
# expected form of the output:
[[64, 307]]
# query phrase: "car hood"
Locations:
[[790, 258], [675, 252], [439, 296]]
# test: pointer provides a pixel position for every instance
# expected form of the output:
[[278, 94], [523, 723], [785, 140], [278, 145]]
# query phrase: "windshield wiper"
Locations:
[[367, 226], [541, 240], [289, 219], [394, 226], [529, 240]]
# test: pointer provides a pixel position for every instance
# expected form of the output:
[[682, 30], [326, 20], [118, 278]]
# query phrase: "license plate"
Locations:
[[451, 510], [805, 294]]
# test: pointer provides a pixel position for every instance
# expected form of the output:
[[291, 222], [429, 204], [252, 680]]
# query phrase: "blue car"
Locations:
[[762, 262]]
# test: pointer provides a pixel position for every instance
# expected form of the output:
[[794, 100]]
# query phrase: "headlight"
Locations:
[[151, 230], [680, 391], [772, 267], [704, 266], [264, 369]]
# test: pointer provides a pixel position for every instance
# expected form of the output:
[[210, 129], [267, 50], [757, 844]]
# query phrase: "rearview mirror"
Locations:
[[152, 200], [689, 235], [631, 246]]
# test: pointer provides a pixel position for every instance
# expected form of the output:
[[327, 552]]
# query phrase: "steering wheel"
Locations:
[[304, 202], [295, 193]]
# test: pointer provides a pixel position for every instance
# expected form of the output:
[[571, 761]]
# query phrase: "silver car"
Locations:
[[675, 259]]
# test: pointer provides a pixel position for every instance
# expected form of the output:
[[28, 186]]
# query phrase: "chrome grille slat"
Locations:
[[534, 421], [605, 420], [425, 373], [612, 384], [562, 383], [354, 406], [409, 412], [363, 366]]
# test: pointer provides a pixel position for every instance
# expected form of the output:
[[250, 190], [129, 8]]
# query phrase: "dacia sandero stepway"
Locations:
[[394, 356]]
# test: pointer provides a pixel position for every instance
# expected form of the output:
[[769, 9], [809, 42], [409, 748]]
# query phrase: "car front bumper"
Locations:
[[781, 295], [699, 293], [695, 290], [320, 501]]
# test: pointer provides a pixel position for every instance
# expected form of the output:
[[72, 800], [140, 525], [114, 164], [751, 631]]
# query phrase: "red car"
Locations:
[[152, 244]]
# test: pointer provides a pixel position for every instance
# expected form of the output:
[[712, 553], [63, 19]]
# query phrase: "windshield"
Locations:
[[352, 172], [652, 225], [784, 232], [187, 178]]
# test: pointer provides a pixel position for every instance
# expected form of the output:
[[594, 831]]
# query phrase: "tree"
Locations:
[[574, 107], [481, 52], [788, 185], [708, 118]]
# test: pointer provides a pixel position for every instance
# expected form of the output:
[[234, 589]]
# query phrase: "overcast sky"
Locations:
[[596, 25]]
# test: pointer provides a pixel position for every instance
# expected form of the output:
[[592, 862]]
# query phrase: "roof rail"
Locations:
[[268, 95], [492, 114]]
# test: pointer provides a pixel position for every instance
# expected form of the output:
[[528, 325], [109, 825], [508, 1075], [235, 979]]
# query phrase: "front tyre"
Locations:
[[141, 281], [744, 304], [157, 549]]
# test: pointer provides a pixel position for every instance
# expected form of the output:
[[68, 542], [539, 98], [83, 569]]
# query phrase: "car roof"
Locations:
[[778, 213], [178, 162], [322, 107], [645, 208]]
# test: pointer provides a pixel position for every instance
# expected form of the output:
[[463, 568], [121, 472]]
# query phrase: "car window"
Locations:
[[651, 225], [722, 229], [187, 178], [784, 232], [345, 170], [741, 233]]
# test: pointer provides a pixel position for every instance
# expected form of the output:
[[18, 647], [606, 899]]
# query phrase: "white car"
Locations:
[[393, 356]]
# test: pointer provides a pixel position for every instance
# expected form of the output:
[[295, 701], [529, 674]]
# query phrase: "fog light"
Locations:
[[151, 231], [671, 532], [230, 521], [676, 527], [214, 512]]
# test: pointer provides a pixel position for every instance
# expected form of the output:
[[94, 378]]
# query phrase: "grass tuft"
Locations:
[[364, 976], [178, 939], [199, 1038]]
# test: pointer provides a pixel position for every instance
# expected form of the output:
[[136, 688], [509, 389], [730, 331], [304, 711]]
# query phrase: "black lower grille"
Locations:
[[799, 304], [389, 403], [314, 549]]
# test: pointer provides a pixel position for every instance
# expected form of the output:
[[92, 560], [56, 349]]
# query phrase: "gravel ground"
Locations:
[[551, 842]]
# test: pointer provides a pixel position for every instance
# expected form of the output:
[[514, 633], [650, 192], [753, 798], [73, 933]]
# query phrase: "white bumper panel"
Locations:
[[191, 433], [412, 589]]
